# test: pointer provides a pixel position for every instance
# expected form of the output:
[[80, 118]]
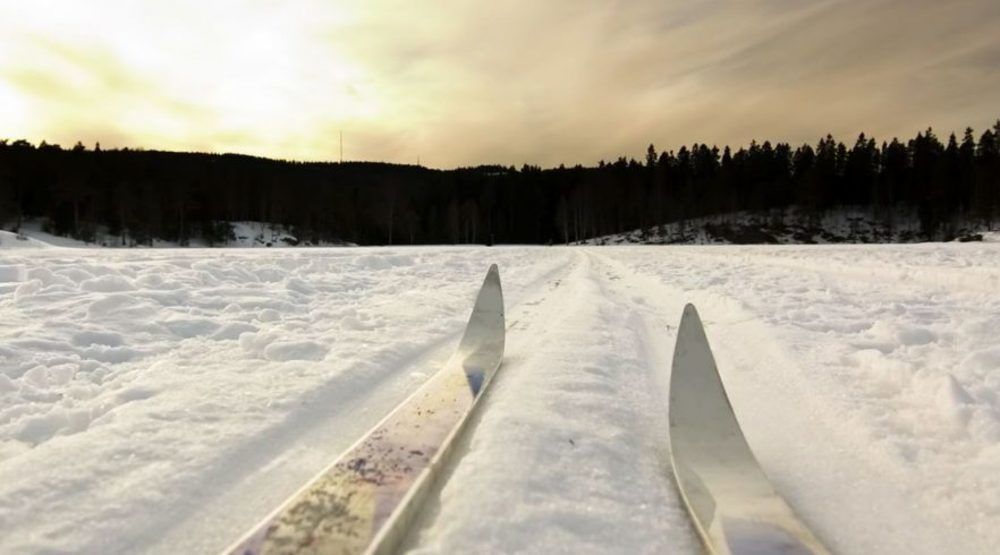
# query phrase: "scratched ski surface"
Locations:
[[731, 501], [364, 501]]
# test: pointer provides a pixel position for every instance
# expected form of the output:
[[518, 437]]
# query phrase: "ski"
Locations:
[[727, 494], [365, 500]]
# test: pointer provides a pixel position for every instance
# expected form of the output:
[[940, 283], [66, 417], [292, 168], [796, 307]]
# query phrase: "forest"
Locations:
[[141, 195]]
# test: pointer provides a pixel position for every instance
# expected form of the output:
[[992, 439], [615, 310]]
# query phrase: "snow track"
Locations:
[[565, 457], [849, 382], [163, 401]]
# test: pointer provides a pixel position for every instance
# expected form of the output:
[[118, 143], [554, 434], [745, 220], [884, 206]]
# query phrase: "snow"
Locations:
[[10, 240], [32, 236], [844, 224], [245, 235], [165, 400]]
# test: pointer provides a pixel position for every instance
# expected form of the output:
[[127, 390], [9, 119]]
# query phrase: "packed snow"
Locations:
[[163, 401]]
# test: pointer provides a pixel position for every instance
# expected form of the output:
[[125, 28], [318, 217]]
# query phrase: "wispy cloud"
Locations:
[[461, 82]]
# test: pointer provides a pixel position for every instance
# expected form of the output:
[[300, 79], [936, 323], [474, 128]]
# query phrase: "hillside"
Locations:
[[37, 234], [795, 226], [175, 197]]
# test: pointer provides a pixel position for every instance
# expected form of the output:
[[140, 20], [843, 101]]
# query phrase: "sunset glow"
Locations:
[[462, 82]]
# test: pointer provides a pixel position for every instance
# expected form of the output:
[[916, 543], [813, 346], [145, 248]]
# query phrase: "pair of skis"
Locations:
[[365, 501]]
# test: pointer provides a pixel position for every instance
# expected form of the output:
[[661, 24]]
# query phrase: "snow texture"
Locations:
[[858, 224], [245, 235], [163, 401]]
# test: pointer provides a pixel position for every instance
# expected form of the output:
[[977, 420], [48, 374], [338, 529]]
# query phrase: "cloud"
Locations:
[[460, 82]]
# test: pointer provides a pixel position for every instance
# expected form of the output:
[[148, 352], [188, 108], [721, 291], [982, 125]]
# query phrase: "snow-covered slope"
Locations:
[[244, 235], [162, 401], [11, 240], [794, 226]]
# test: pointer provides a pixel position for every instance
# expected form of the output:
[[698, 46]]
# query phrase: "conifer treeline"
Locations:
[[141, 195]]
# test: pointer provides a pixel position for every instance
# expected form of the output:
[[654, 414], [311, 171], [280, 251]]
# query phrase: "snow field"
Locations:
[[164, 401], [569, 452], [138, 387], [868, 389]]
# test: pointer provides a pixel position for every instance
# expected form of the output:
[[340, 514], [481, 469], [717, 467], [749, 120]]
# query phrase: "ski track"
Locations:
[[164, 401], [565, 457], [884, 366]]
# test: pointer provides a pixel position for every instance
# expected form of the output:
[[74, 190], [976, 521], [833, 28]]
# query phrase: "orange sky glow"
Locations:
[[458, 82]]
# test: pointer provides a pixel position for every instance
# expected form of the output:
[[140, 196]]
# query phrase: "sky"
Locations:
[[460, 82]]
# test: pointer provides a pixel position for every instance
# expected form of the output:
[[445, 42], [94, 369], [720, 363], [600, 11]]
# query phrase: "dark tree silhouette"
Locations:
[[141, 196]]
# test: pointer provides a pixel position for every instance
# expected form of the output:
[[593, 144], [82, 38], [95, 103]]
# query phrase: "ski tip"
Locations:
[[690, 320], [490, 297], [492, 276], [690, 311], [692, 354], [486, 330]]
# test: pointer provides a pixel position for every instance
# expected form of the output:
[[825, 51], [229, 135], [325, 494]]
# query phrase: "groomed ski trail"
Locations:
[[311, 438], [565, 458], [208, 397], [367, 499], [831, 477], [595, 364], [164, 401]]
